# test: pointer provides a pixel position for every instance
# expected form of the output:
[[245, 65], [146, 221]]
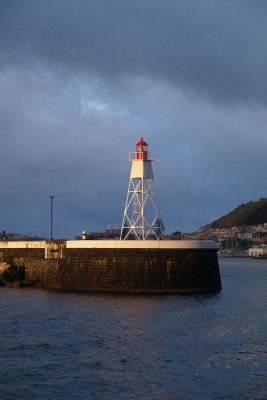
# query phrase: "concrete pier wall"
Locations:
[[120, 266]]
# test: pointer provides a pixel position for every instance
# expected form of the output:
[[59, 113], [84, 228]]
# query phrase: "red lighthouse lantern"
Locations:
[[141, 150]]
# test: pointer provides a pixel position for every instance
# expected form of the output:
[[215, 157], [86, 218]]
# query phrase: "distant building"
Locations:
[[257, 251], [109, 233], [4, 236], [174, 236]]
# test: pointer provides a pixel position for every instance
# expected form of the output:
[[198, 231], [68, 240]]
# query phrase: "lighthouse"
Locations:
[[141, 216]]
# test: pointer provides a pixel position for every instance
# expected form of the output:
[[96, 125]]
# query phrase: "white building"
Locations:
[[257, 251]]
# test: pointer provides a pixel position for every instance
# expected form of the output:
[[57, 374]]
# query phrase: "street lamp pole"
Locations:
[[51, 217]]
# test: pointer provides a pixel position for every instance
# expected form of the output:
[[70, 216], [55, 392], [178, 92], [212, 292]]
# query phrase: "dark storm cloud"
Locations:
[[212, 48], [80, 79], [49, 146]]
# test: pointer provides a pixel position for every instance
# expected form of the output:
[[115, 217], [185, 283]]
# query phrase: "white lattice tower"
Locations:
[[141, 215]]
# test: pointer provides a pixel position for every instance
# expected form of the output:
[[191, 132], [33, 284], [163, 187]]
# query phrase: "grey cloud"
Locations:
[[208, 158], [80, 79], [215, 49], [48, 146]]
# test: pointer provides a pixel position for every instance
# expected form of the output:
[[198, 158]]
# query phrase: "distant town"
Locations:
[[237, 240]]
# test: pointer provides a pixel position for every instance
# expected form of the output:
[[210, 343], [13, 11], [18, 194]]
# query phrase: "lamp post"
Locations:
[[51, 217]]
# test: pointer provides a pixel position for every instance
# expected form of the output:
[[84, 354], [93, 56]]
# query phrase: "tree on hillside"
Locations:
[[159, 228], [3, 235]]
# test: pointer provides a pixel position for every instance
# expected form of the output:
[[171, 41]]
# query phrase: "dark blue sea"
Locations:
[[78, 346]]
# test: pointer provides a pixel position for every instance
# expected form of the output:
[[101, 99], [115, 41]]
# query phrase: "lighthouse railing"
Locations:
[[137, 155]]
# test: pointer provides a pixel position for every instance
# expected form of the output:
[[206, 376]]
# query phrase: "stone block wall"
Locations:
[[9, 255], [36, 266], [142, 270]]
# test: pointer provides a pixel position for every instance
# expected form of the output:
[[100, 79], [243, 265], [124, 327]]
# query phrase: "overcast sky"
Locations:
[[79, 81]]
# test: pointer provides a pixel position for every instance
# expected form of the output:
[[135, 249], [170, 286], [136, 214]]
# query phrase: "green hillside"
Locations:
[[252, 213]]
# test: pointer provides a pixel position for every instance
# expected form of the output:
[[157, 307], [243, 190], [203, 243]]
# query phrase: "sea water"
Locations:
[[86, 346]]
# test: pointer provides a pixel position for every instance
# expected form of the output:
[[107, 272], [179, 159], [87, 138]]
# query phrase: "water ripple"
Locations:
[[70, 346]]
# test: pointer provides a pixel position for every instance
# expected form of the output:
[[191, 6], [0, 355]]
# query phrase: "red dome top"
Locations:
[[141, 142]]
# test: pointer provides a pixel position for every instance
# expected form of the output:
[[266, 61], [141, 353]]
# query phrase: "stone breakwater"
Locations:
[[176, 267]]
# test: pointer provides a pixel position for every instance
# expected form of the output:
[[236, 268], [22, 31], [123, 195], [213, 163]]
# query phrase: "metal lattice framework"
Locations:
[[141, 213]]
